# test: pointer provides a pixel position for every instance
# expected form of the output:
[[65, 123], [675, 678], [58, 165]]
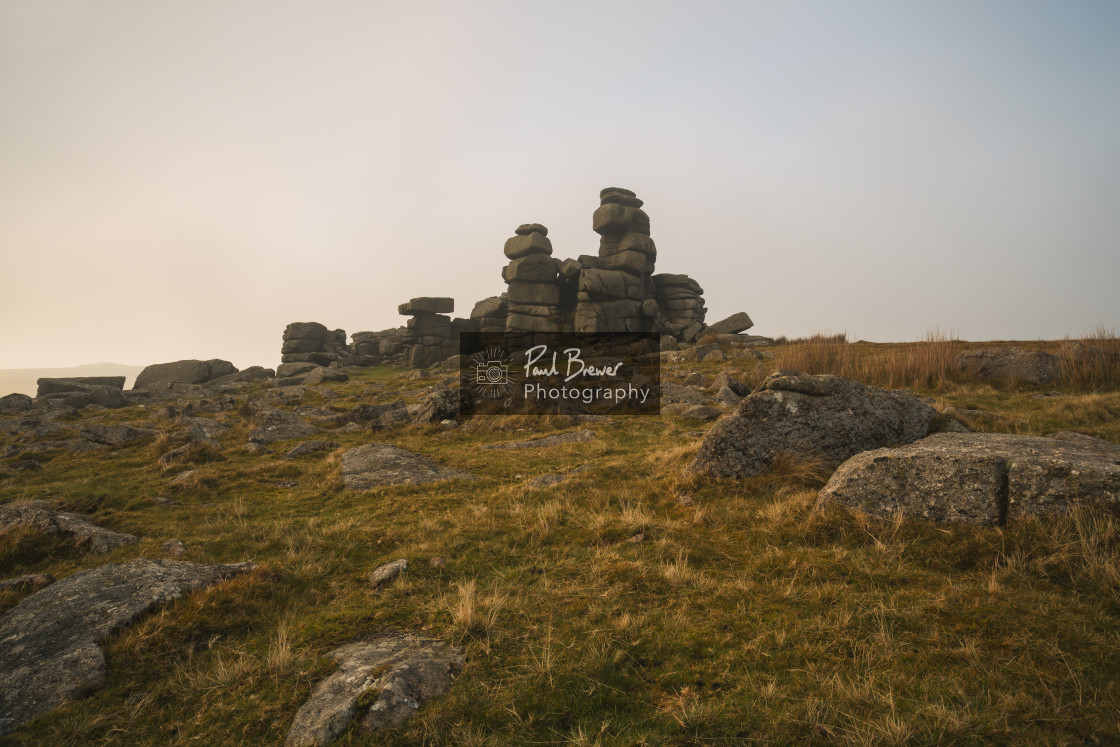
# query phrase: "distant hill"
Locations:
[[23, 379]]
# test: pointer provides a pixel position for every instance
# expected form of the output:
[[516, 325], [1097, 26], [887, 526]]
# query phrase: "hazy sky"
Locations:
[[182, 179]]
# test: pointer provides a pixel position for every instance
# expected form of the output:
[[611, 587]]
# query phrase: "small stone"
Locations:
[[383, 574], [437, 562], [527, 228]]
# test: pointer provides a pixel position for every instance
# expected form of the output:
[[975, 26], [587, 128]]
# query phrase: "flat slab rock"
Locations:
[[37, 515], [380, 465], [979, 478], [48, 642], [403, 671], [824, 417]]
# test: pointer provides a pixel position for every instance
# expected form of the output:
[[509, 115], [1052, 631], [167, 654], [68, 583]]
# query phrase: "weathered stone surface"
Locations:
[[77, 384], [610, 284], [402, 671], [534, 293], [118, 434], [534, 268], [427, 305], [444, 404], [634, 263], [306, 331], [731, 325], [287, 370], [979, 478], [671, 392], [321, 375], [39, 515], [271, 424], [183, 372], [527, 228], [385, 573], [14, 402], [823, 417], [701, 412], [994, 364], [613, 218], [522, 246], [495, 306], [378, 465], [572, 437], [48, 642], [725, 379]]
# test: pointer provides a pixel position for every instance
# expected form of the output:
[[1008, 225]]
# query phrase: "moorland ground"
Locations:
[[625, 605]]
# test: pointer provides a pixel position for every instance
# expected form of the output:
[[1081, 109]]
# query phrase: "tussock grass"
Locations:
[[1091, 363]]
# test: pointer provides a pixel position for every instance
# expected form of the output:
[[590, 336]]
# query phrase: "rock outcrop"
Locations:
[[166, 375], [979, 478], [38, 515], [390, 677], [380, 465], [828, 418], [1013, 364], [312, 342], [429, 338], [48, 642]]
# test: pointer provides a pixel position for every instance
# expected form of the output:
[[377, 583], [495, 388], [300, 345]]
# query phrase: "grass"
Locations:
[[1091, 363], [627, 605]]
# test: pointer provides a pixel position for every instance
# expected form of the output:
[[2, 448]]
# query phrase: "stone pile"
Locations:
[[615, 291], [429, 336], [533, 298], [311, 342], [681, 301]]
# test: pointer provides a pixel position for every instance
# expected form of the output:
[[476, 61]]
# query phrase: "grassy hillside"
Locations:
[[625, 605]]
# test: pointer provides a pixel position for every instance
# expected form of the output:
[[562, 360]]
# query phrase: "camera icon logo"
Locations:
[[491, 373]]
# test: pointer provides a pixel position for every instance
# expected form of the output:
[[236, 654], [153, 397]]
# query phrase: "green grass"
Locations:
[[624, 606]]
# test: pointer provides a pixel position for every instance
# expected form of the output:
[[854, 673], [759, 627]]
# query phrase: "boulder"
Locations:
[[306, 331], [444, 404], [533, 268], [379, 465], [77, 384], [48, 642], [427, 305], [524, 245], [14, 402], [1014, 364], [731, 325], [385, 573], [489, 307], [38, 515], [527, 228], [183, 372], [118, 434], [381, 681], [829, 418], [979, 478]]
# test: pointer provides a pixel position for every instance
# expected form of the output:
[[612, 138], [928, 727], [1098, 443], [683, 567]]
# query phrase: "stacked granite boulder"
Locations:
[[533, 299], [429, 337], [681, 301], [615, 292], [489, 315], [311, 342]]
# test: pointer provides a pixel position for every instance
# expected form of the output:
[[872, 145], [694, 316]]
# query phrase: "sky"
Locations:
[[183, 179]]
